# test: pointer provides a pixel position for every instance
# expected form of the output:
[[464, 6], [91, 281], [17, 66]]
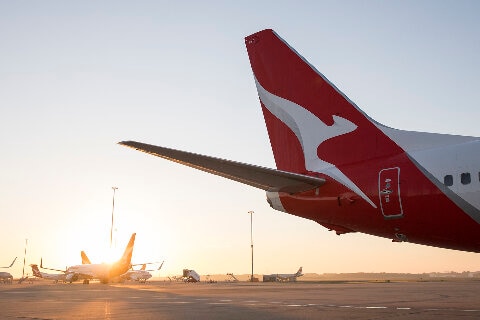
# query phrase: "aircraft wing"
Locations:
[[141, 264], [255, 176], [42, 267], [144, 266], [11, 264], [161, 265]]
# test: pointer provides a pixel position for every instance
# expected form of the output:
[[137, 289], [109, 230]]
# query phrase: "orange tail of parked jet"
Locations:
[[340, 168], [85, 259]]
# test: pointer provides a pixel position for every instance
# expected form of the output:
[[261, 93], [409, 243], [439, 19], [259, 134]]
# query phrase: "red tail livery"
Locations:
[[342, 169]]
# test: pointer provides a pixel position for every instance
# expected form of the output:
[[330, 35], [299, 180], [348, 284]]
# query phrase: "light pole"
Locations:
[[113, 208], [24, 257], [251, 240]]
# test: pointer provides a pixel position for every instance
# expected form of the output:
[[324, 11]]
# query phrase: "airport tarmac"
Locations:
[[301, 300]]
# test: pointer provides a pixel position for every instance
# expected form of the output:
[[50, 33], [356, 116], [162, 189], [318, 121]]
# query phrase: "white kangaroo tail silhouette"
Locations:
[[311, 132]]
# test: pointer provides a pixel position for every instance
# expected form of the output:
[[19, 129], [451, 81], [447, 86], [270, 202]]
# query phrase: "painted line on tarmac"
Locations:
[[254, 303], [296, 305], [379, 307]]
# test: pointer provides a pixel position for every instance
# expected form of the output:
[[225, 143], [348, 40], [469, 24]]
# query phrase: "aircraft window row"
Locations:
[[465, 178]]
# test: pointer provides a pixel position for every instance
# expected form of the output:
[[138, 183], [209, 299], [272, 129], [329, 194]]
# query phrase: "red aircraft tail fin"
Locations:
[[307, 117], [35, 271]]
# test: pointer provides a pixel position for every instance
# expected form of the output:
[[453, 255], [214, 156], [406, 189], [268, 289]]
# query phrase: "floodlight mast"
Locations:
[[113, 208], [251, 239]]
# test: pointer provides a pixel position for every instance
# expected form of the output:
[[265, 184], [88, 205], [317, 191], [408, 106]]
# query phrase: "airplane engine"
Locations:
[[71, 277]]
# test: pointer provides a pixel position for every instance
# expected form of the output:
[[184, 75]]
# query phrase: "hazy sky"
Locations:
[[76, 77]]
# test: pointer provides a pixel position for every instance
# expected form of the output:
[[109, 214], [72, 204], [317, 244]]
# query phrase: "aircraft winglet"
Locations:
[[11, 264]]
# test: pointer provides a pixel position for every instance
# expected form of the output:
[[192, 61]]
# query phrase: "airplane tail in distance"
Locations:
[[299, 272], [313, 127], [35, 271], [85, 259], [127, 254]]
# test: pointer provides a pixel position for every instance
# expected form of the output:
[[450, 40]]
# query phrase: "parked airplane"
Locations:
[[141, 275], [136, 275], [283, 277], [342, 169], [49, 276], [105, 272], [6, 277]]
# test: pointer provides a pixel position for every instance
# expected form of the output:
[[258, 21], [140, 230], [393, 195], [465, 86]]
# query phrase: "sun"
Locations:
[[100, 252], [108, 255]]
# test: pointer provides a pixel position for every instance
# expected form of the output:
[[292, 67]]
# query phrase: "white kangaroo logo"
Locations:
[[311, 132]]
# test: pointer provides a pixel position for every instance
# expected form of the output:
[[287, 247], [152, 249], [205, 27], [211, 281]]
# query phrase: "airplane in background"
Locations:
[[136, 275], [49, 276], [55, 276], [344, 170], [292, 277], [141, 275], [6, 277], [105, 272]]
